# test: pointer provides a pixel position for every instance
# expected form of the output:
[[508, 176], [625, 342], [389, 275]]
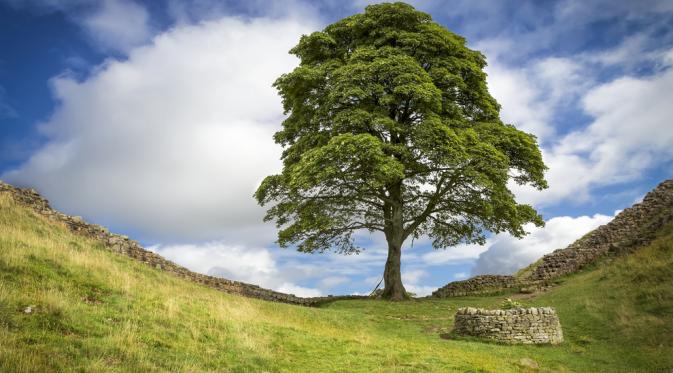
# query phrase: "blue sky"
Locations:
[[155, 119]]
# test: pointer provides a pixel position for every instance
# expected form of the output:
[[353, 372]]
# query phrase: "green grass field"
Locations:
[[93, 310]]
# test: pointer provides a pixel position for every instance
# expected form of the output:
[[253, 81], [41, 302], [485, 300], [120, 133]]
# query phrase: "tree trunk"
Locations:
[[392, 276], [394, 290]]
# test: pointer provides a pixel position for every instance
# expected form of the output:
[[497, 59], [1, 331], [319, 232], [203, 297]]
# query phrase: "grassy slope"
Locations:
[[98, 311]]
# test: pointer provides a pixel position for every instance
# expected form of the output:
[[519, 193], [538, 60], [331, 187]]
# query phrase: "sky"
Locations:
[[156, 118]]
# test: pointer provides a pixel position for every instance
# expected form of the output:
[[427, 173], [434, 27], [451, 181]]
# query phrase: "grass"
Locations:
[[94, 310]]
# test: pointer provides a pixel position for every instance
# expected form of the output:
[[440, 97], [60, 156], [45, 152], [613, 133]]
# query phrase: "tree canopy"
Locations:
[[390, 127]]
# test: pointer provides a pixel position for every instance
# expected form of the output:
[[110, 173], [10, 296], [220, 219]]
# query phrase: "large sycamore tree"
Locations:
[[390, 127]]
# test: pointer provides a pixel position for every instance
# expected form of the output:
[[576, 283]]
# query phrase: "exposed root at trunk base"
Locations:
[[395, 295]]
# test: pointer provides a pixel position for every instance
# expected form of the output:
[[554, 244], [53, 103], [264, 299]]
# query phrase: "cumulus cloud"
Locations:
[[248, 264], [332, 281], [456, 254], [592, 133], [506, 254], [517, 93], [118, 25], [629, 133], [412, 282], [298, 290], [217, 258], [112, 25], [531, 94], [460, 275], [420, 290], [174, 140], [283, 270], [413, 276]]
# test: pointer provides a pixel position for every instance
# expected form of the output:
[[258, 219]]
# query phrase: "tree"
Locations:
[[390, 127]]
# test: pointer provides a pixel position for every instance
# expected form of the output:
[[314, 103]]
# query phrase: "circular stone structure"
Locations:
[[537, 325]]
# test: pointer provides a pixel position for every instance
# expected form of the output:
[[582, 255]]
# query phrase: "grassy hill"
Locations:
[[67, 303]]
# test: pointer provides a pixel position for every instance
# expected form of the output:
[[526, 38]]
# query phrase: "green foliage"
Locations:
[[391, 128]]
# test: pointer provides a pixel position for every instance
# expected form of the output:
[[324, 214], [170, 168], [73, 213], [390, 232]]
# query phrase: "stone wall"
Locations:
[[630, 229], [125, 246], [538, 325], [484, 284]]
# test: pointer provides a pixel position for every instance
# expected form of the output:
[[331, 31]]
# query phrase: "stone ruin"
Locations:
[[537, 325]]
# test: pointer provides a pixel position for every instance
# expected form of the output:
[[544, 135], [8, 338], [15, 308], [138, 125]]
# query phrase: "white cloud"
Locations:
[[118, 25], [174, 140], [460, 275], [519, 97], [631, 51], [251, 265], [455, 254], [531, 94], [629, 134], [412, 279], [112, 25], [561, 80], [299, 291], [506, 254], [332, 281], [243, 264], [413, 276], [419, 290], [578, 11]]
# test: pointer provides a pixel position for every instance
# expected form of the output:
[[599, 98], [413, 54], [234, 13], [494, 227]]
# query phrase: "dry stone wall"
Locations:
[[484, 284], [537, 325], [125, 246], [630, 229]]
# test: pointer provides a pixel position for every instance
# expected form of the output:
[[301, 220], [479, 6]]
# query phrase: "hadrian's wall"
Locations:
[[483, 284], [538, 325], [630, 229], [125, 246]]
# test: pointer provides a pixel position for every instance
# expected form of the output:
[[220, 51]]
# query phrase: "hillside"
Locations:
[[68, 303]]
